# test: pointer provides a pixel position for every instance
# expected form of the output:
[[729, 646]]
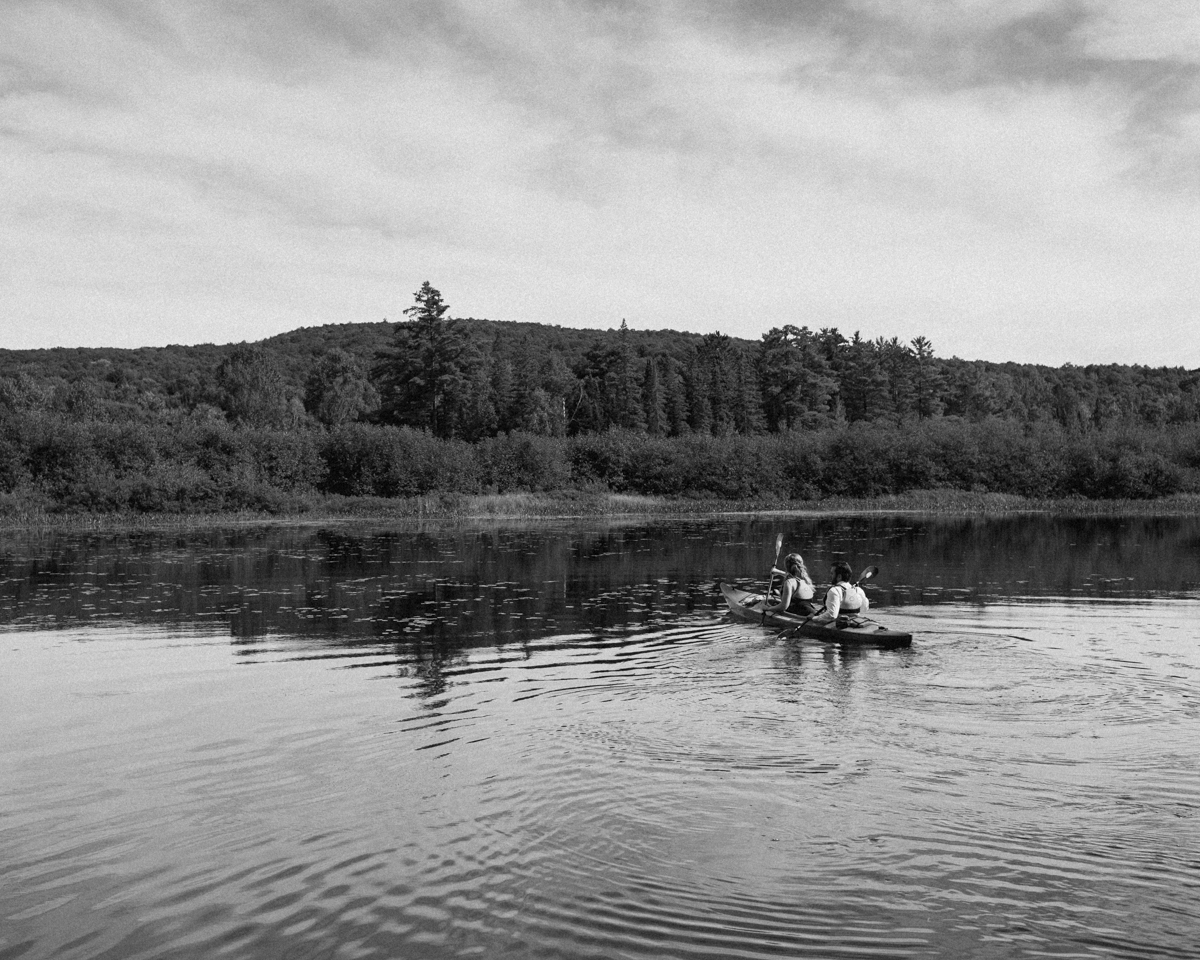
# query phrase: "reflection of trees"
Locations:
[[999, 557], [428, 663], [458, 587]]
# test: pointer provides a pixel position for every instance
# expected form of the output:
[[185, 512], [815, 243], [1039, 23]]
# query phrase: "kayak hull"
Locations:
[[749, 607]]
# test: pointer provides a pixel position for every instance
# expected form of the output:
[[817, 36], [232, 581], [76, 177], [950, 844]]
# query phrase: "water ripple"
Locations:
[[621, 771]]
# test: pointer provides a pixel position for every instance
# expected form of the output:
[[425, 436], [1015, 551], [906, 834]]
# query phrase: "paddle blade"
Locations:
[[867, 574], [778, 544]]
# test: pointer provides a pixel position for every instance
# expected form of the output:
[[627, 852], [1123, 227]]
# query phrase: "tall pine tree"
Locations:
[[655, 400], [625, 384], [423, 378], [928, 381]]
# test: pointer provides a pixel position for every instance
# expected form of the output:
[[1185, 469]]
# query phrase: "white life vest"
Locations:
[[851, 600]]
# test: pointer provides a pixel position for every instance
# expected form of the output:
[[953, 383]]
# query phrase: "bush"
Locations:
[[733, 467], [858, 463], [53, 460], [521, 462], [176, 488], [663, 468], [605, 459], [1120, 468], [800, 461], [389, 461], [287, 460]]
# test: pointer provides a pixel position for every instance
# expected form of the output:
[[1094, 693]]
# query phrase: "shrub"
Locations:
[[176, 488], [522, 462], [857, 463], [389, 461], [170, 467], [800, 461], [287, 460], [604, 459], [658, 469]]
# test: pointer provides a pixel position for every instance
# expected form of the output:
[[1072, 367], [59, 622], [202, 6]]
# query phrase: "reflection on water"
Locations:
[[548, 741], [509, 584]]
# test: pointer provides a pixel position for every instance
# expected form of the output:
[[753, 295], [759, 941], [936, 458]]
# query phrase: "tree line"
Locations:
[[462, 378], [459, 404]]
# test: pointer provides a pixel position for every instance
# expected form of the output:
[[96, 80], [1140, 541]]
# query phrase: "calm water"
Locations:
[[548, 741]]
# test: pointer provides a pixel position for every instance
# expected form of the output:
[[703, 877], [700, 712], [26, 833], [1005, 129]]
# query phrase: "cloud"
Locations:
[[979, 173]]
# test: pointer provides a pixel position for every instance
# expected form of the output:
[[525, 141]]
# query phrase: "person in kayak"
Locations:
[[795, 596], [843, 599]]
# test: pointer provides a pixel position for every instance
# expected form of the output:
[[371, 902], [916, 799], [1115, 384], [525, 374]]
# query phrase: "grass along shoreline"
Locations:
[[598, 505]]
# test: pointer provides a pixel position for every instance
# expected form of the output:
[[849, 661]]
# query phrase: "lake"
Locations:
[[548, 740]]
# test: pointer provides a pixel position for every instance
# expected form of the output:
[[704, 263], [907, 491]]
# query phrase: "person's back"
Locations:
[[852, 599], [843, 599], [797, 590], [801, 600]]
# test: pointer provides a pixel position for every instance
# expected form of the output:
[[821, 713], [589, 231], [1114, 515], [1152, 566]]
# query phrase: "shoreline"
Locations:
[[575, 505]]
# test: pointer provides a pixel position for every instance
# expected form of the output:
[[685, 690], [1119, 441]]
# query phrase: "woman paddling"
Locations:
[[844, 598], [797, 592]]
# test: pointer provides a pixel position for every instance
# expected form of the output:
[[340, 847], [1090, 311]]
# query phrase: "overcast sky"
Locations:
[[1014, 180]]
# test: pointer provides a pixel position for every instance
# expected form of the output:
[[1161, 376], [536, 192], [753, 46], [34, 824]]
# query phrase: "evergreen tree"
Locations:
[[559, 383], [864, 386], [422, 379], [797, 386], [543, 414], [696, 385], [591, 407], [747, 410], [780, 374], [539, 384], [896, 363], [503, 382], [675, 398], [716, 357], [928, 381], [625, 385], [970, 391], [655, 400], [476, 409], [833, 349]]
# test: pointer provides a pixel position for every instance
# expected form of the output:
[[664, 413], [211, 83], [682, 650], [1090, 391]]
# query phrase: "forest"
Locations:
[[437, 404]]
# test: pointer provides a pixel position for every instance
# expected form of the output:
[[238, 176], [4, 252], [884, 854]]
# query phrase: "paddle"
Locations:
[[966, 631], [771, 579]]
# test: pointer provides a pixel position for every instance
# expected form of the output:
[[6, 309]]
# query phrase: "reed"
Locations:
[[570, 504]]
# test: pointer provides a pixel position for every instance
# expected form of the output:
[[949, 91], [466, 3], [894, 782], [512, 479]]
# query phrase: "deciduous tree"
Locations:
[[337, 390], [250, 387]]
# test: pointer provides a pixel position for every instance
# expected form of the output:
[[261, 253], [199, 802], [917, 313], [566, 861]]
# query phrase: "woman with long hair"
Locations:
[[795, 596]]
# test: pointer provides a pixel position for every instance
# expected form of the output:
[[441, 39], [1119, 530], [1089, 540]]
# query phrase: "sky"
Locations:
[[1014, 180]]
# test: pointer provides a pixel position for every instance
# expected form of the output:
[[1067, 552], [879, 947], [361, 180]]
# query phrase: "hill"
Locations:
[[436, 405]]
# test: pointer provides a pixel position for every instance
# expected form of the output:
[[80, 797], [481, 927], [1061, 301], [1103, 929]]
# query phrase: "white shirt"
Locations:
[[844, 594]]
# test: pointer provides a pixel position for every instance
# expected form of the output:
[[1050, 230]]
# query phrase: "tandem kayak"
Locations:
[[749, 607]]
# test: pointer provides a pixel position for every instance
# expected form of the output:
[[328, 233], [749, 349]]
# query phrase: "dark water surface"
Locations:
[[548, 741]]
